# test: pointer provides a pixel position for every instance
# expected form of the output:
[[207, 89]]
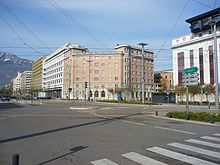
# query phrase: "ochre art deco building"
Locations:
[[37, 74], [112, 75]]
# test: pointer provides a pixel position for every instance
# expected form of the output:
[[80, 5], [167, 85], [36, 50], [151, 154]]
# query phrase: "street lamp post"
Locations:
[[89, 61], [142, 75], [216, 67]]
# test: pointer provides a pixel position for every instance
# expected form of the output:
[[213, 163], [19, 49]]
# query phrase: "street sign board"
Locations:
[[190, 70], [190, 79]]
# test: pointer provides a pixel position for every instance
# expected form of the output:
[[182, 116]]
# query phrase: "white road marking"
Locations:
[[203, 143], [142, 159], [3, 118], [181, 157], [103, 162], [195, 149], [132, 122], [176, 130], [211, 138], [14, 116], [217, 134]]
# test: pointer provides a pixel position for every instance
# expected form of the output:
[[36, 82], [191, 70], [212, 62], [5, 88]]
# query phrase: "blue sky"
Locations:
[[110, 21]]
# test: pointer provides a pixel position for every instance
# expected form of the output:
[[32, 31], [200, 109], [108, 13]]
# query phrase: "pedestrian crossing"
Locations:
[[176, 152]]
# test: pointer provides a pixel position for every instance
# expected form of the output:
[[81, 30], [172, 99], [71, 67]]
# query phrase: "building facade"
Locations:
[[26, 83], [115, 75], [37, 75], [16, 85], [53, 69], [196, 49], [163, 81]]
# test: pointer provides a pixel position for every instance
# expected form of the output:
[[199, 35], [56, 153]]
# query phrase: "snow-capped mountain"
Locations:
[[10, 64]]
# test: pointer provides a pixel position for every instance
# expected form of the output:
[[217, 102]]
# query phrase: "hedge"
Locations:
[[197, 116], [127, 102]]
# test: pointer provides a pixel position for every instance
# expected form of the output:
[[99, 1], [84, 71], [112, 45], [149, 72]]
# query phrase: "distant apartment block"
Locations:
[[16, 84], [163, 81], [196, 49], [26, 83], [37, 76]]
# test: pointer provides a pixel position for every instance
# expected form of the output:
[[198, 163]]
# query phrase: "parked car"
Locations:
[[5, 98]]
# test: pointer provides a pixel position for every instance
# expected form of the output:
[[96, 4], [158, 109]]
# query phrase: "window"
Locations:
[[180, 57], [201, 70], [96, 79], [191, 58], [211, 64], [96, 71], [116, 78], [103, 94], [96, 64], [96, 94]]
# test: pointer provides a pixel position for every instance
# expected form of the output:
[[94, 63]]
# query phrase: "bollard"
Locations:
[[212, 119], [187, 116], [156, 113], [15, 159]]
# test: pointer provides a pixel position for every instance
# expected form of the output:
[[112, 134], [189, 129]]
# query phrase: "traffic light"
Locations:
[[86, 84]]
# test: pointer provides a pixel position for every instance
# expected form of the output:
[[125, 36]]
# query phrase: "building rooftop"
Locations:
[[204, 15]]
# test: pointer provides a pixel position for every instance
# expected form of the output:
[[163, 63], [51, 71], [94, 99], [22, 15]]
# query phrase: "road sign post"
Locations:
[[190, 77]]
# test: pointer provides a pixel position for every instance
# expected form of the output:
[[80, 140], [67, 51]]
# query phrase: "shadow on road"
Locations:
[[104, 120], [73, 150], [8, 105]]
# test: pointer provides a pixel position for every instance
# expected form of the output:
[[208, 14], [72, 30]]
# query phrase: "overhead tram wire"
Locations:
[[5, 6], [215, 4], [19, 37], [172, 28], [203, 4], [76, 22]]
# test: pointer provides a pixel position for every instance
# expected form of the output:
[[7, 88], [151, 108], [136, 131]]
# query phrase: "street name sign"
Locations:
[[190, 70]]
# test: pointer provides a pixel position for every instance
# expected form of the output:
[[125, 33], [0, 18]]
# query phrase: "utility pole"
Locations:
[[89, 80], [143, 70], [216, 68]]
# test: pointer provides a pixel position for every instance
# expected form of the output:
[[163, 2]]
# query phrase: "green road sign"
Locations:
[[190, 70]]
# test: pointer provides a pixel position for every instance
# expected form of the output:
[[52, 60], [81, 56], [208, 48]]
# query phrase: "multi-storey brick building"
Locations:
[[163, 81], [111, 75]]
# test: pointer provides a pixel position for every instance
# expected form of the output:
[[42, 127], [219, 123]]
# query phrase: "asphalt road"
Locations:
[[102, 134]]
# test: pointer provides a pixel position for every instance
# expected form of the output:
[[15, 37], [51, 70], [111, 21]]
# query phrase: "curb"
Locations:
[[187, 121]]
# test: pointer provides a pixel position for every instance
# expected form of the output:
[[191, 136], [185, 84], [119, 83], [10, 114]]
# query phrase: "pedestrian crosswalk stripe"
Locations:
[[142, 159], [217, 134], [203, 143], [103, 162], [196, 149], [211, 138], [181, 157]]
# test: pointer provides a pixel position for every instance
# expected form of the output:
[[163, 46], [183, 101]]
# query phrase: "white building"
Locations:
[[196, 49], [16, 84], [53, 68], [26, 82]]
